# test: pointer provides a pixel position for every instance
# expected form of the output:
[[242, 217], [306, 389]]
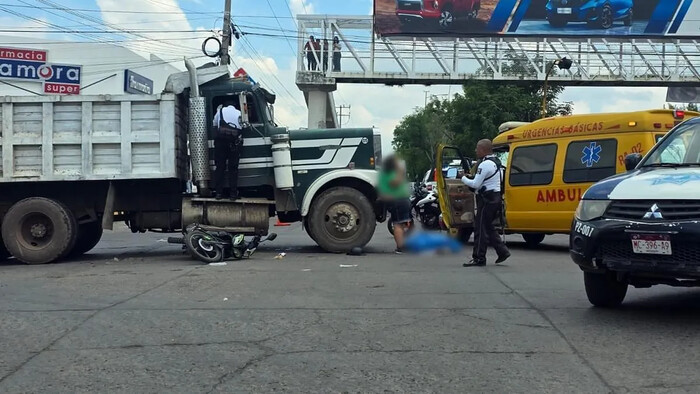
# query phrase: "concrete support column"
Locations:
[[317, 104], [318, 92]]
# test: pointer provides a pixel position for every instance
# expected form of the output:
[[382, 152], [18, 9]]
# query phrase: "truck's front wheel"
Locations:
[[39, 230], [341, 218]]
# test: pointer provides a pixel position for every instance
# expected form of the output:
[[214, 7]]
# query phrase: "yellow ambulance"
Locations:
[[550, 163]]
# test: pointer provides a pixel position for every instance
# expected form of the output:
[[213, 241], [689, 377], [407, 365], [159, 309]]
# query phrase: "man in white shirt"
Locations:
[[487, 184], [232, 116], [227, 145]]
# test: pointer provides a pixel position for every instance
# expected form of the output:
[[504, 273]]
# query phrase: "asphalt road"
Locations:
[[138, 316]]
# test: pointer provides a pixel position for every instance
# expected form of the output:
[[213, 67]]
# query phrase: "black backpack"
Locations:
[[226, 131]]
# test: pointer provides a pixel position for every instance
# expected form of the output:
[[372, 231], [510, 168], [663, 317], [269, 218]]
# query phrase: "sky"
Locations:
[[271, 61]]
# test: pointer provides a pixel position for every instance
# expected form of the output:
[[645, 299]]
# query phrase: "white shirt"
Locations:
[[232, 116], [486, 169]]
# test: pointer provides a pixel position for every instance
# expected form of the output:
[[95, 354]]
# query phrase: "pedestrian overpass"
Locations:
[[596, 61]]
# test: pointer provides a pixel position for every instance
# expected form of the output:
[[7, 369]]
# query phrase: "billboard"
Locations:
[[31, 65], [546, 18]]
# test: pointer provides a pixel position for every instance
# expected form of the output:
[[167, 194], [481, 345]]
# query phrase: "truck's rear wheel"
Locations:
[[39, 230], [89, 235], [341, 218], [4, 254]]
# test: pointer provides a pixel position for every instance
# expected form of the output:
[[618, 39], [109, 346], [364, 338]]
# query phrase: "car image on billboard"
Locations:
[[602, 14], [546, 18]]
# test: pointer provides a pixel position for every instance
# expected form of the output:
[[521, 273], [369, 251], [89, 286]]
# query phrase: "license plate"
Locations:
[[564, 11], [651, 244]]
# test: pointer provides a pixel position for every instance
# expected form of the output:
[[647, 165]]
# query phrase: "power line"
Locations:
[[101, 23], [294, 52], [115, 11]]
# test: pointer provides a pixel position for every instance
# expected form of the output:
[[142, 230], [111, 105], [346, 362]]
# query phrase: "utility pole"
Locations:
[[341, 114], [426, 97], [226, 44]]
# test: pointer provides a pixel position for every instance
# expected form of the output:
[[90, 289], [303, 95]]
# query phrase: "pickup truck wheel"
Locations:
[[533, 239], [341, 218], [604, 290], [39, 230], [89, 235]]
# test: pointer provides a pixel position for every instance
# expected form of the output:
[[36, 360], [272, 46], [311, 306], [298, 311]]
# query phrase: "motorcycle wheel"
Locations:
[[200, 249]]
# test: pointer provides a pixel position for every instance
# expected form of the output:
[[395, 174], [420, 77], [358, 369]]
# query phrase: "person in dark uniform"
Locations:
[[228, 140], [487, 184]]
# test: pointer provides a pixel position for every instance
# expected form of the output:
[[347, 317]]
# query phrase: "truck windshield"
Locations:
[[680, 148]]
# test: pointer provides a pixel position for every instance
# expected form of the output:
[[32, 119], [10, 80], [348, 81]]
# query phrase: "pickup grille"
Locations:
[[670, 210], [409, 5], [618, 253]]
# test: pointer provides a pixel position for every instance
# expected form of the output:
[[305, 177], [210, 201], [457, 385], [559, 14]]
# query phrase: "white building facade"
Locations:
[[104, 68]]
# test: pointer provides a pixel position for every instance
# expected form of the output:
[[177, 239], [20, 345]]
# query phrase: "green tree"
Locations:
[[416, 137], [472, 115]]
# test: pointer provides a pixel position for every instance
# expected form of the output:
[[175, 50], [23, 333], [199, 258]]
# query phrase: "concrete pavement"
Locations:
[[136, 315]]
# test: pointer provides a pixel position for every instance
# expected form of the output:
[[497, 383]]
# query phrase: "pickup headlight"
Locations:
[[591, 209]]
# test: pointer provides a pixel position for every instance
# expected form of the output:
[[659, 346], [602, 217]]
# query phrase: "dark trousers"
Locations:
[[336, 61], [226, 157], [485, 234], [311, 60]]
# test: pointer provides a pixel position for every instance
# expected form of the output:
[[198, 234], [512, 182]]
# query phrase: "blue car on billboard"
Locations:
[[597, 13]]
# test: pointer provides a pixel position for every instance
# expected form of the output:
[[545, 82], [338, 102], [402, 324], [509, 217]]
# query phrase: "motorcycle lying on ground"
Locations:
[[216, 246]]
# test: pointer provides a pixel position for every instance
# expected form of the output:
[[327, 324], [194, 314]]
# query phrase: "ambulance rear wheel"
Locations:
[[341, 218], [39, 230], [533, 239], [463, 235]]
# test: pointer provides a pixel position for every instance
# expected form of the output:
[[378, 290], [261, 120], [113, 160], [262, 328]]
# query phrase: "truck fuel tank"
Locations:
[[248, 215]]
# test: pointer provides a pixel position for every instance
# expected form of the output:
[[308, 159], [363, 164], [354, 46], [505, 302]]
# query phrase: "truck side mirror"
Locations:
[[632, 160], [243, 101]]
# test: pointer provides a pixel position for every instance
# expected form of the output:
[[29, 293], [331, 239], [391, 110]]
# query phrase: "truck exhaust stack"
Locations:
[[198, 136]]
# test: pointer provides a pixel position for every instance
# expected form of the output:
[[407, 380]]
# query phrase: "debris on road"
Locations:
[[306, 270], [280, 256], [348, 265], [217, 264]]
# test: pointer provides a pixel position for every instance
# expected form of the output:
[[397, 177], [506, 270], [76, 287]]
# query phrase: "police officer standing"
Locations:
[[228, 139], [487, 184]]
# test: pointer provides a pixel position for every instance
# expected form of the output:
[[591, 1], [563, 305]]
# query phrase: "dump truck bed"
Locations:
[[70, 138]]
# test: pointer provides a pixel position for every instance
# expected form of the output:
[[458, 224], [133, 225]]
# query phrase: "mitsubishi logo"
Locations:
[[653, 213]]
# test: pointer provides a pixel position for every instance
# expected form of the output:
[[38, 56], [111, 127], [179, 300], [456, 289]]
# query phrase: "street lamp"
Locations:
[[563, 64]]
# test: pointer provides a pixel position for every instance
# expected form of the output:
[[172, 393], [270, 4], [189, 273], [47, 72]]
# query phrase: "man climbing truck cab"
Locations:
[[642, 228], [551, 162], [73, 165]]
